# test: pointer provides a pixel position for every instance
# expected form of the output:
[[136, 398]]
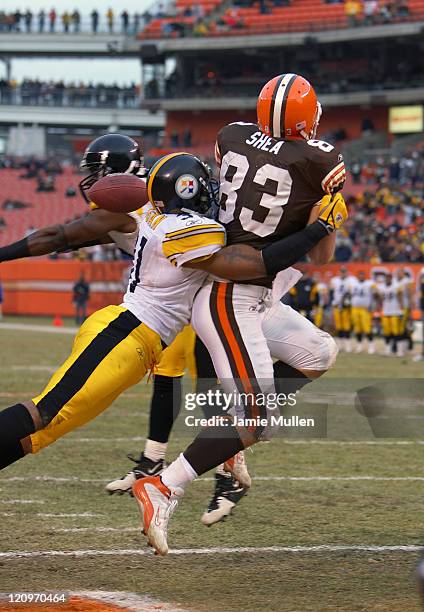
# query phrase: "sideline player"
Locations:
[[391, 297], [117, 345], [341, 294], [404, 280], [272, 175], [322, 299], [364, 293]]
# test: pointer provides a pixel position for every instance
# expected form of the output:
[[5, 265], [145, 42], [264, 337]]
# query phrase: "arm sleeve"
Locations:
[[287, 251]]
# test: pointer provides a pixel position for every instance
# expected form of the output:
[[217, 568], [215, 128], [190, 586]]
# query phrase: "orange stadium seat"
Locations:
[[46, 208], [302, 15]]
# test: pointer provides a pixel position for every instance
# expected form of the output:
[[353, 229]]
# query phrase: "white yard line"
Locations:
[[97, 529], [76, 480], [21, 501], [69, 515], [128, 601], [323, 548], [50, 329]]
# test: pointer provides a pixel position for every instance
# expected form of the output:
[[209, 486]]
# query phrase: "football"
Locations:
[[119, 192]]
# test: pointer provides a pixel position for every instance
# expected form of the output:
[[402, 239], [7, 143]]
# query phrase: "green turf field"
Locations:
[[347, 489]]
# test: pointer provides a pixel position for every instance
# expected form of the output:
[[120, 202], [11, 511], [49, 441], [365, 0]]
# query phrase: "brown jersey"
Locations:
[[269, 186]]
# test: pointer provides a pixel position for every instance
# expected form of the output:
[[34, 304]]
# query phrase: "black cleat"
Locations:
[[144, 467], [227, 494]]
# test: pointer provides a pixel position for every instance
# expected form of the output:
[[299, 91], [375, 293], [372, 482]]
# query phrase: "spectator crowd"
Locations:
[[34, 92], [72, 21], [386, 219]]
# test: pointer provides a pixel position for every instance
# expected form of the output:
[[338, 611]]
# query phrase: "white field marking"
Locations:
[[322, 548], [21, 501], [70, 515], [357, 442], [355, 478], [50, 329], [91, 440], [97, 529], [128, 601], [32, 368], [300, 442]]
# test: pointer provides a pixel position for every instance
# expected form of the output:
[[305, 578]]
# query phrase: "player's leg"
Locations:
[[337, 320], [357, 327], [319, 315], [347, 328], [303, 351], [367, 329], [398, 336], [386, 327], [111, 352], [227, 489], [227, 319], [164, 410]]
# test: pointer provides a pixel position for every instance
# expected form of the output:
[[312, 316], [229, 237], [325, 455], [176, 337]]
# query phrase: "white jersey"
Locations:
[[405, 284], [160, 291], [391, 302], [127, 242], [363, 293], [340, 288]]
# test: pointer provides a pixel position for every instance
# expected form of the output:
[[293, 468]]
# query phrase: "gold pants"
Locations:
[[111, 352]]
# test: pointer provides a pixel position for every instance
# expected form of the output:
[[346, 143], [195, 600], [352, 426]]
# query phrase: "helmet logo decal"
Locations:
[[186, 186]]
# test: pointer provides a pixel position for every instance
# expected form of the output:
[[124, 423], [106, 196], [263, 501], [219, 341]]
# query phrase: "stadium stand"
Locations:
[[40, 208], [272, 17]]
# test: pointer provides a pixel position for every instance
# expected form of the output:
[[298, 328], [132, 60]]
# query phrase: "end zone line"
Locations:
[[323, 548]]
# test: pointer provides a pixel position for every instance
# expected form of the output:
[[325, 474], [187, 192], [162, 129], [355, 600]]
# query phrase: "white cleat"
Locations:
[[371, 349], [238, 468], [156, 503], [358, 348]]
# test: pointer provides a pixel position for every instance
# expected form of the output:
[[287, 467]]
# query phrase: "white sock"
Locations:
[[155, 450], [179, 473]]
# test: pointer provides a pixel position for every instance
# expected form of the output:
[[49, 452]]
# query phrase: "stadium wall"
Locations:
[[45, 287], [204, 125]]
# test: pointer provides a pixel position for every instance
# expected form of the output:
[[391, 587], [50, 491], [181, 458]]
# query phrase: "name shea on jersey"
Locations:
[[264, 142]]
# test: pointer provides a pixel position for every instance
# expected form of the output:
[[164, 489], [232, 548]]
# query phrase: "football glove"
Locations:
[[332, 212]]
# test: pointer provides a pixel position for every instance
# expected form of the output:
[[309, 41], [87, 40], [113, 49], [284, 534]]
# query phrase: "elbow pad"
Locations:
[[287, 251]]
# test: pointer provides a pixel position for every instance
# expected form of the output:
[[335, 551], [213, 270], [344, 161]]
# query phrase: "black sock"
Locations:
[[213, 446], [204, 365], [287, 379], [370, 337], [15, 423], [359, 337], [164, 407]]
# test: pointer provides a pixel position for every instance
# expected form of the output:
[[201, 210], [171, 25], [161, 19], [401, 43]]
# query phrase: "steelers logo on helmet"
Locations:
[[186, 186]]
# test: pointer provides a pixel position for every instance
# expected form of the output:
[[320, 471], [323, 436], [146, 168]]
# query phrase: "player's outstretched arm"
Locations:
[[242, 262], [87, 231]]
